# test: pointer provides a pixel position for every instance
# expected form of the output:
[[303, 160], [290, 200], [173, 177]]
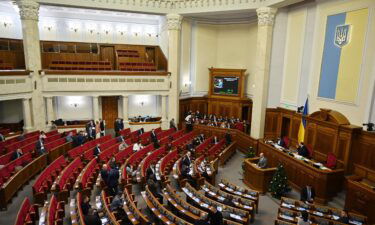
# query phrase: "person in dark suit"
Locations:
[[229, 201], [228, 138], [97, 150], [281, 142], [303, 151], [156, 144], [202, 220], [187, 161], [150, 172], [117, 127], [153, 136], [2, 138], [85, 205], [102, 127], [141, 131], [113, 177], [172, 124], [262, 162], [344, 218], [92, 219], [80, 139], [215, 216], [153, 187], [121, 124], [104, 173], [40, 150], [308, 194], [17, 154], [120, 138]]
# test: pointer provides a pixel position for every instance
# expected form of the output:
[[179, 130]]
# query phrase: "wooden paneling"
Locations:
[[109, 110], [363, 151], [107, 53], [326, 183]]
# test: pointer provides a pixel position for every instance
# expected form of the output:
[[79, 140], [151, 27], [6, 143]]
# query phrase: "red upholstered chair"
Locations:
[[286, 141], [331, 161], [311, 151]]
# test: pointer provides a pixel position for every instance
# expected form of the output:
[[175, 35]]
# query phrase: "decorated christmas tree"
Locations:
[[279, 183]]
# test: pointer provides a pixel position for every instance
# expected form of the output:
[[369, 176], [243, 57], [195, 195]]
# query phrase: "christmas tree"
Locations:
[[279, 183]]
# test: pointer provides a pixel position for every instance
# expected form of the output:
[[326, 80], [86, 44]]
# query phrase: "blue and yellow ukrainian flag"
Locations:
[[302, 126], [342, 55]]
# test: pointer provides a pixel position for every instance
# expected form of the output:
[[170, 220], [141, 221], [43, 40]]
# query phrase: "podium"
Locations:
[[256, 178]]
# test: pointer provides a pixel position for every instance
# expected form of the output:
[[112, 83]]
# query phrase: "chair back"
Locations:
[[331, 161]]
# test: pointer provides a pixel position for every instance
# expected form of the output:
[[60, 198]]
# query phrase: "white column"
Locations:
[[29, 14], [266, 17], [125, 110], [164, 120], [26, 114], [50, 111], [174, 35], [95, 105]]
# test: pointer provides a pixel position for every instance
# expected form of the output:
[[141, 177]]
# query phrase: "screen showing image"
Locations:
[[226, 85]]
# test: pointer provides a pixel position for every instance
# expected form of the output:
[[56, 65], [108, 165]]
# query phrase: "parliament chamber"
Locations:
[[187, 112]]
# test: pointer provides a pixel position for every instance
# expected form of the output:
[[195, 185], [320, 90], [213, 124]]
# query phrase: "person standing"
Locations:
[[117, 127], [97, 129], [102, 127], [172, 124], [262, 162], [308, 194]]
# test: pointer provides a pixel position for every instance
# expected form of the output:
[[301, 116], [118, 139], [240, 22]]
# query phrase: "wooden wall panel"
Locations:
[[363, 152], [110, 110]]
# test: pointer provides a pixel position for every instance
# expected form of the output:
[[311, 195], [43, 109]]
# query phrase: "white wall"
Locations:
[[151, 105], [73, 107], [221, 46], [11, 111]]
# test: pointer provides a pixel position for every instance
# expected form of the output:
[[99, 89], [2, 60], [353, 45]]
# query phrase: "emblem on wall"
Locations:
[[342, 35]]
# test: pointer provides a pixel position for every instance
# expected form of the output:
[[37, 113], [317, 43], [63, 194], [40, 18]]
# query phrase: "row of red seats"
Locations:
[[45, 180], [9, 169], [56, 211], [15, 139], [89, 154], [79, 150], [183, 139], [88, 175], [64, 183], [165, 133], [33, 139], [124, 154], [138, 69], [92, 67], [204, 145], [151, 158], [81, 62], [27, 214], [136, 64], [216, 149], [145, 137], [167, 161], [125, 132]]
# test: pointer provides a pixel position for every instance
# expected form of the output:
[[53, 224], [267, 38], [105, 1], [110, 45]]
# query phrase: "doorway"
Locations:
[[107, 53], [110, 110]]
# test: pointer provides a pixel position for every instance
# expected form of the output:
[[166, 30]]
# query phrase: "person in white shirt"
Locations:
[[137, 146]]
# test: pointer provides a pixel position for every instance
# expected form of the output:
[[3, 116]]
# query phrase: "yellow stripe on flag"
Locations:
[[351, 57], [301, 133]]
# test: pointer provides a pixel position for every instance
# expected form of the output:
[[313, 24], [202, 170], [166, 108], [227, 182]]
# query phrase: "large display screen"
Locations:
[[226, 85]]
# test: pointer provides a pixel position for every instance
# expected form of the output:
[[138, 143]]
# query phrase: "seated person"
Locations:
[[215, 140], [69, 137], [304, 219], [203, 168], [281, 142], [120, 138], [137, 146], [97, 150], [131, 171], [40, 150], [2, 138], [308, 194], [229, 201], [17, 154], [122, 146], [344, 218], [228, 138], [303, 151], [262, 163]]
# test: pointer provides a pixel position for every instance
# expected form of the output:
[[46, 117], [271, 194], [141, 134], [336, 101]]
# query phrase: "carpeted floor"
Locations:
[[232, 172]]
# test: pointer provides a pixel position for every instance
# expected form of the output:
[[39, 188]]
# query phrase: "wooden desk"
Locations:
[[147, 126], [256, 178], [327, 183], [360, 197]]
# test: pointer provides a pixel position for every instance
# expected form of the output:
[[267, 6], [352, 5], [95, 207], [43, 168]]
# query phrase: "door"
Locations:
[[110, 110], [107, 53]]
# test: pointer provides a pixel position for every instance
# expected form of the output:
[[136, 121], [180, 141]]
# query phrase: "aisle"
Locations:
[[232, 172]]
